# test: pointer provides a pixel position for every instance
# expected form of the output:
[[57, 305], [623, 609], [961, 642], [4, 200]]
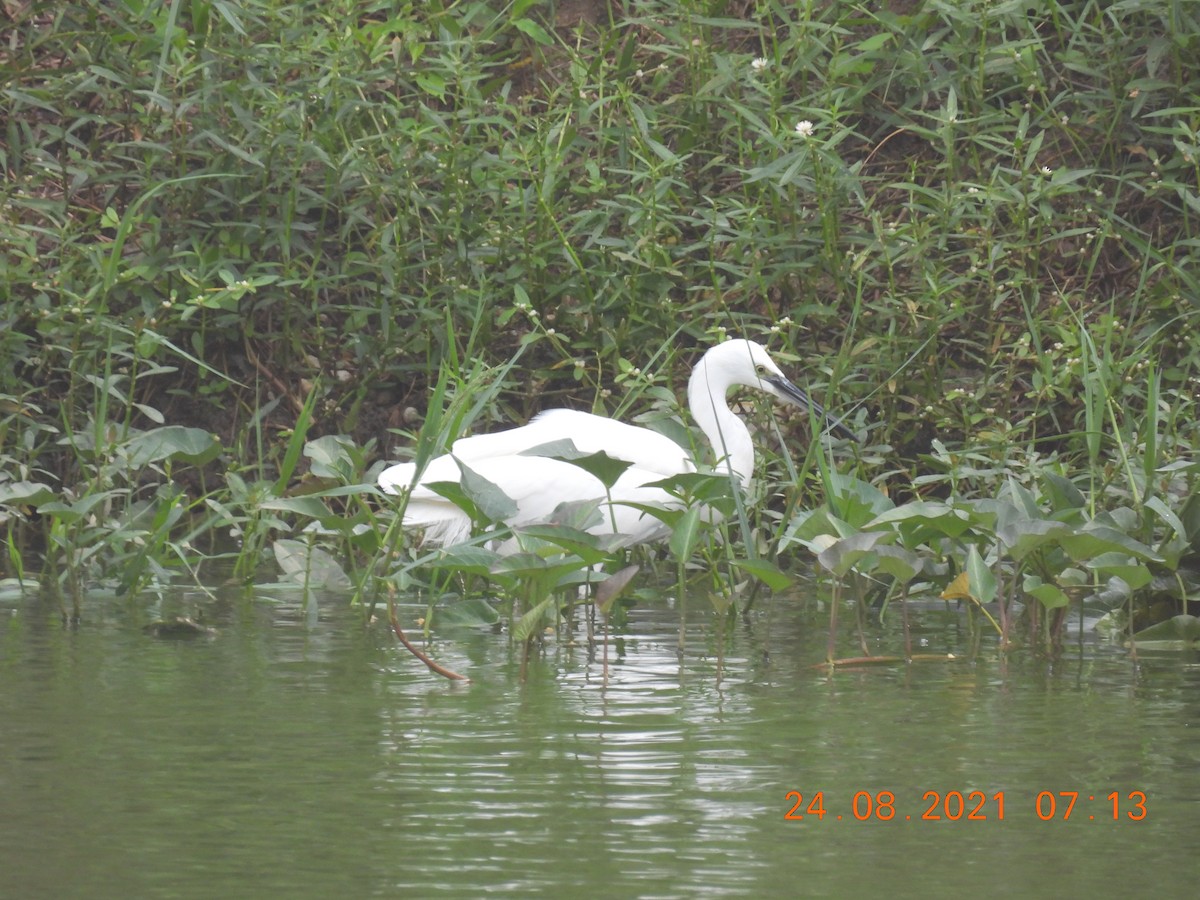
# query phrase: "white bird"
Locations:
[[539, 484]]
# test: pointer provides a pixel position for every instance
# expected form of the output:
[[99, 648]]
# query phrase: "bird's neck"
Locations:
[[729, 436]]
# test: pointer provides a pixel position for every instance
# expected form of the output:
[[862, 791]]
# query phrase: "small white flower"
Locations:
[[805, 128], [1046, 170], [759, 64]]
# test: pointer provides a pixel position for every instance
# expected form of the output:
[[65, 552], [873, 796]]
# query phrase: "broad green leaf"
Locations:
[[846, 554], [303, 506], [175, 442], [534, 30], [1168, 515], [1094, 540], [520, 564], [603, 466], [922, 521], [1181, 632], [1026, 536], [25, 493], [983, 580], [1051, 596], [474, 611], [484, 499], [73, 512], [1122, 565], [613, 586], [573, 540], [856, 501], [1061, 492], [330, 456], [903, 565], [686, 532], [309, 565], [467, 558], [766, 572], [530, 623]]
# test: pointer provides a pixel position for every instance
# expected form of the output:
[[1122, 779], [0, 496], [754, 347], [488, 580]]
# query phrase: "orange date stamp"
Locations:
[[971, 806]]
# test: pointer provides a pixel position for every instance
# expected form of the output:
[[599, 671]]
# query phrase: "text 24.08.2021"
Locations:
[[972, 806]]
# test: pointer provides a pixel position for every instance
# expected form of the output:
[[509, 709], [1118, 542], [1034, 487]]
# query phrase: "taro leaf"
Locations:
[[1072, 576], [686, 532], [602, 466], [612, 587], [584, 545], [1023, 500], [816, 527], [475, 495], [489, 498], [959, 588], [975, 582], [1026, 536], [766, 572], [25, 493], [1114, 593], [901, 564], [311, 507], [705, 487], [174, 442], [529, 623], [922, 521], [1051, 596], [1129, 570], [1181, 632], [1061, 492], [1121, 518], [578, 514], [519, 564], [311, 566], [982, 579], [856, 501], [474, 612], [845, 554], [467, 558], [330, 457], [1093, 540], [563, 448], [73, 512]]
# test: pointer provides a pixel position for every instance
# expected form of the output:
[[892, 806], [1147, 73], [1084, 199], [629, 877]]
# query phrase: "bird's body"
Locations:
[[538, 485]]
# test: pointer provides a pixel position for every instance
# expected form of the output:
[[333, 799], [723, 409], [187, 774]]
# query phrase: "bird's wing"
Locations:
[[645, 448]]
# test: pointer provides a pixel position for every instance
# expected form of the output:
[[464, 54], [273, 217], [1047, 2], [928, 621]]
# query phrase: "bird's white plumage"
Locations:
[[538, 485]]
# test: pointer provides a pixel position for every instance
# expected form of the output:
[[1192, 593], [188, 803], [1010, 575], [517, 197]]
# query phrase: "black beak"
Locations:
[[800, 398]]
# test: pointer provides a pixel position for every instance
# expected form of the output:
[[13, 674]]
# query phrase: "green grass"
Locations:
[[232, 217]]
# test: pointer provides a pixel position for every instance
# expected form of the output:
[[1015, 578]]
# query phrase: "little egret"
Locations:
[[537, 485]]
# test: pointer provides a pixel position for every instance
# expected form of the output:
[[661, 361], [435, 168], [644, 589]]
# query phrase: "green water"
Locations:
[[297, 755]]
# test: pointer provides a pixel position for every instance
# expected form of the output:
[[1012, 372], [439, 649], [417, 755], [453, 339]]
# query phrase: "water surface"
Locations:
[[297, 754]]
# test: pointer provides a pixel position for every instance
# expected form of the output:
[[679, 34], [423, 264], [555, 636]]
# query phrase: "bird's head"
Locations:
[[747, 363]]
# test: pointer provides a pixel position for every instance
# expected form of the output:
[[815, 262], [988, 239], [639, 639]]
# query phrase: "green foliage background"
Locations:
[[971, 226]]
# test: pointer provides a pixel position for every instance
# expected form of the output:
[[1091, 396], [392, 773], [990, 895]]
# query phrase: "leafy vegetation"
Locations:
[[250, 250]]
